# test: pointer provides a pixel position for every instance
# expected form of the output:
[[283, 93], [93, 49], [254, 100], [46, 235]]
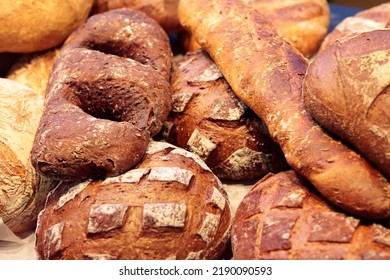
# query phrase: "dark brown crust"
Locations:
[[194, 225], [107, 94], [208, 119], [267, 74], [347, 91], [283, 217]]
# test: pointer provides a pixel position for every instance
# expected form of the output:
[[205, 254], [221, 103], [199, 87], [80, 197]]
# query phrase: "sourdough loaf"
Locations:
[[22, 190], [377, 17], [303, 23], [283, 217], [107, 94], [267, 74], [347, 90], [170, 206], [29, 26], [209, 120]]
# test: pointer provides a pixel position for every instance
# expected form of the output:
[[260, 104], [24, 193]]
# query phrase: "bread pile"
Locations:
[[138, 135]]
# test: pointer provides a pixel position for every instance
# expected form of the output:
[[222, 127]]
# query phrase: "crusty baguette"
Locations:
[[347, 90], [267, 74]]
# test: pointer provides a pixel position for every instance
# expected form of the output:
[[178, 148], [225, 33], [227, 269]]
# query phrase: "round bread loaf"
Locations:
[[303, 23], [209, 120], [163, 11], [29, 26], [347, 90], [171, 206], [377, 17], [282, 217], [107, 94], [33, 69], [22, 190]]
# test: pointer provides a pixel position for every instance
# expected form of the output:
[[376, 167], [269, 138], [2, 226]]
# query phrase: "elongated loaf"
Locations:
[[22, 190], [267, 74], [107, 94], [283, 217], [347, 90], [209, 120], [170, 206]]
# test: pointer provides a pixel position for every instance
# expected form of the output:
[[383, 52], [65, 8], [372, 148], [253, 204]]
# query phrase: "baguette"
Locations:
[[267, 74]]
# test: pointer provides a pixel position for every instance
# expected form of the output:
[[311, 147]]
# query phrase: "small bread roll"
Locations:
[[30, 26], [171, 206], [22, 190]]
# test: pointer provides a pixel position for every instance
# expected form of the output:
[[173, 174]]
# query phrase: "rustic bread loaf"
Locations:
[[29, 26], [33, 69], [347, 90], [163, 11], [267, 74], [303, 23], [377, 17], [209, 120], [107, 94], [282, 217], [22, 190], [171, 206]]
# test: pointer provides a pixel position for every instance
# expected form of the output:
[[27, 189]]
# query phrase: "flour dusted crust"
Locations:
[[282, 217], [174, 209], [208, 120]]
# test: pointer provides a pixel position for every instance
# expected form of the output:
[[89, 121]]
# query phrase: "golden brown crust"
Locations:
[[108, 92], [30, 26], [347, 90], [282, 217], [303, 23], [22, 190], [209, 120], [267, 74], [377, 17], [170, 206]]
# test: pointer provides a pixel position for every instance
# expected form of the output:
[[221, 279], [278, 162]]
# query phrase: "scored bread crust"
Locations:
[[170, 206], [107, 94], [209, 120], [267, 74], [347, 90], [283, 217]]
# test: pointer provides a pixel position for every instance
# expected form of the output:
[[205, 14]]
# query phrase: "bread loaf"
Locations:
[[33, 69], [22, 190], [30, 26], [303, 23], [170, 206], [163, 11], [267, 74], [347, 90], [377, 17], [107, 94], [209, 120], [282, 217]]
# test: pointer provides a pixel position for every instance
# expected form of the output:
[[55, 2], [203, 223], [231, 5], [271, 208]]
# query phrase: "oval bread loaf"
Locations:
[[107, 94], [209, 120], [22, 191], [29, 26], [347, 90], [170, 206], [282, 217]]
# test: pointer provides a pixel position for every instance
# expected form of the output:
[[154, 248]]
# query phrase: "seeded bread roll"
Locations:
[[171, 206], [347, 90], [209, 120], [33, 69], [29, 26], [377, 17], [22, 190], [303, 23], [282, 217]]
